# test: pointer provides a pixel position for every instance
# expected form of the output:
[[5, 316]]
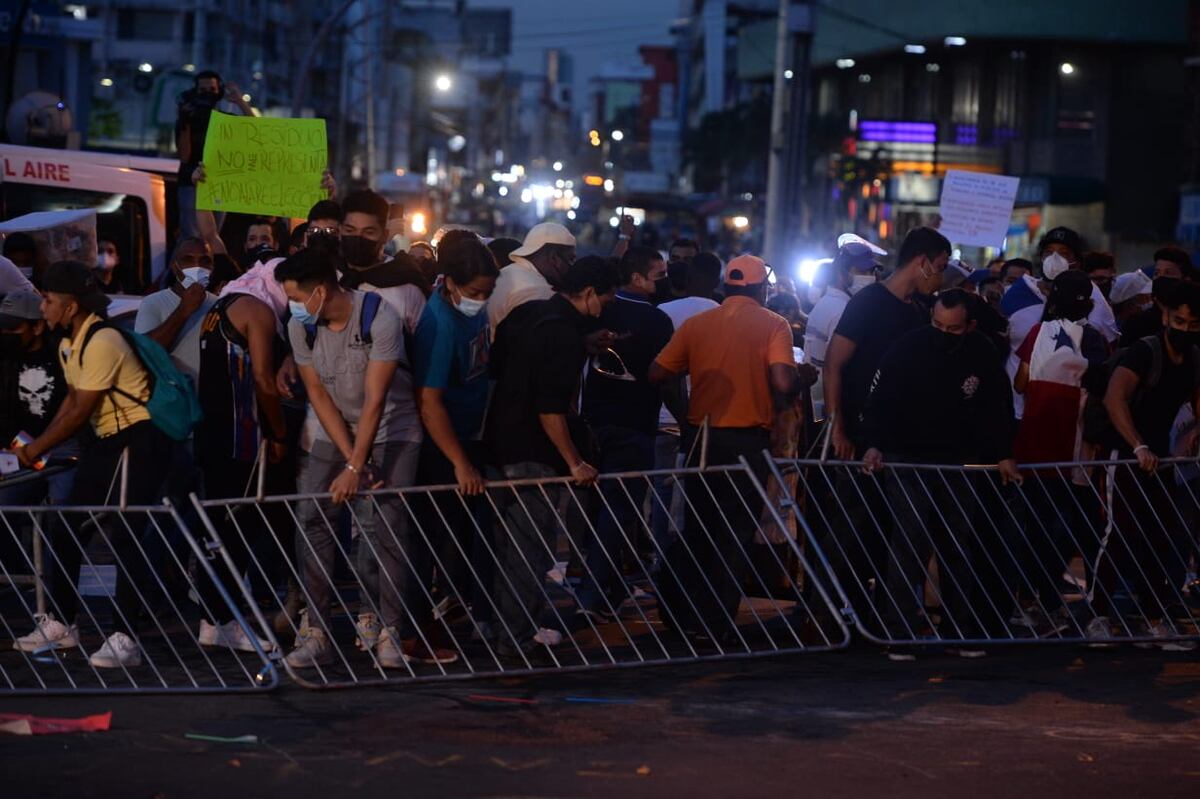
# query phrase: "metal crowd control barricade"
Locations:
[[1099, 552], [425, 583], [132, 569]]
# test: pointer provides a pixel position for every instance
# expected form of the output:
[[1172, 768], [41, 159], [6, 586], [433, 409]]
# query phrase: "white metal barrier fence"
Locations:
[[117, 599], [536, 575], [533, 575], [1100, 552]]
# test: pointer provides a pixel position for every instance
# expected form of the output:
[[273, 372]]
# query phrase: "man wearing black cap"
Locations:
[[32, 388], [107, 387]]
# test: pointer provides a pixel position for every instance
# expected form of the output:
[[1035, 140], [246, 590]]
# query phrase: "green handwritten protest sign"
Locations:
[[262, 165]]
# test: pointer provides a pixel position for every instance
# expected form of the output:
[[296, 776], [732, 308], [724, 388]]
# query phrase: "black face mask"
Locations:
[[359, 251], [662, 290], [204, 99], [1182, 341], [950, 341], [263, 252], [325, 242]]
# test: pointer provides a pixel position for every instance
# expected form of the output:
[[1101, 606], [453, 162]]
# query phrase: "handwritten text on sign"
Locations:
[[976, 207], [261, 165]]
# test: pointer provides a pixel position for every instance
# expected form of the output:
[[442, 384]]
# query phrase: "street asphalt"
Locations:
[[1029, 722]]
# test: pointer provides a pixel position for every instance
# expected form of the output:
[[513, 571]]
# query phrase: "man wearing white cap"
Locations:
[[535, 272], [853, 269], [1130, 295]]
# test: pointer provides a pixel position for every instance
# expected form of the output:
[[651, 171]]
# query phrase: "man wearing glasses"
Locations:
[[172, 316]]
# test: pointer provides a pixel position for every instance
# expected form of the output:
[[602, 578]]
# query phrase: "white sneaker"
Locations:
[[312, 650], [229, 635], [119, 650], [1099, 631], [1021, 618], [558, 573], [302, 629], [966, 653], [49, 633], [387, 650], [547, 637], [1161, 630], [368, 629]]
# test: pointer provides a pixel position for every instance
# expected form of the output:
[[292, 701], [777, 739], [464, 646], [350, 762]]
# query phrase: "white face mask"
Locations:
[[105, 262], [196, 274], [1054, 265], [859, 282], [469, 307]]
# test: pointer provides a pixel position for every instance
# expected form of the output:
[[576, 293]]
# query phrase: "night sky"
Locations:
[[592, 32]]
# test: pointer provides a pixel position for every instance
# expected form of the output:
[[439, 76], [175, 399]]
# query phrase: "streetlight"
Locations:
[[442, 83], [1066, 68], [617, 135]]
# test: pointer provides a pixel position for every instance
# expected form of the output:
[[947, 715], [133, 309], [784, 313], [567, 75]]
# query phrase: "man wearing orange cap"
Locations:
[[739, 356]]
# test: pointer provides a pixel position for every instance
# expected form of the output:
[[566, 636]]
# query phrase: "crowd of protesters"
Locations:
[[469, 361]]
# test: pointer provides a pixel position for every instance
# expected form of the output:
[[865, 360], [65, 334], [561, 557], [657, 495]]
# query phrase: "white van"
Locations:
[[130, 194]]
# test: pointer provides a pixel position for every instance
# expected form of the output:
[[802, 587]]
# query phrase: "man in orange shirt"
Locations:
[[739, 356]]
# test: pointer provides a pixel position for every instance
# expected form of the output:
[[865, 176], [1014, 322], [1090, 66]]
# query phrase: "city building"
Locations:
[[47, 97], [1086, 102]]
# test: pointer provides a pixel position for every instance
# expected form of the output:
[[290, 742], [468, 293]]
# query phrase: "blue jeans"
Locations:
[[621, 450]]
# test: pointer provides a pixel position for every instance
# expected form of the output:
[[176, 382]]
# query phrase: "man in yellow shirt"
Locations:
[[107, 388]]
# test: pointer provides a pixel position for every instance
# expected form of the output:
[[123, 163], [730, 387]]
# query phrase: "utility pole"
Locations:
[[788, 161], [300, 83]]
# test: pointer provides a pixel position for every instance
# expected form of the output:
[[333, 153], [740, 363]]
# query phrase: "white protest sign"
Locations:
[[976, 207]]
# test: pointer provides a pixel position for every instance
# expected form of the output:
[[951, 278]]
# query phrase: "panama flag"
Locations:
[[1050, 429], [1022, 304]]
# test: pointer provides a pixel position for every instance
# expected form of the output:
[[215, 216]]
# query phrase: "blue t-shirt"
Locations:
[[450, 352]]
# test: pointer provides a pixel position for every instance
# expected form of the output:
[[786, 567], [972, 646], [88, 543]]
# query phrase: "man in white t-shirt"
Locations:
[[703, 278], [172, 316], [851, 270]]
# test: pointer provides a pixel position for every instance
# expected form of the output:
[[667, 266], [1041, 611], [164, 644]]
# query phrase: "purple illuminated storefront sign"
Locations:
[[907, 132]]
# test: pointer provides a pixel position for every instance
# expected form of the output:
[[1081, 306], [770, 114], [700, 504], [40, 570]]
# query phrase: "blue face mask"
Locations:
[[470, 307], [301, 313]]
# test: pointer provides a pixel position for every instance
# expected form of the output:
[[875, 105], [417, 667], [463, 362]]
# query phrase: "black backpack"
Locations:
[[1097, 426]]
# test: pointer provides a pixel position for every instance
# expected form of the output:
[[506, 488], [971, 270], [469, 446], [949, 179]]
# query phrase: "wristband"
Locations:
[[350, 468], [1140, 447]]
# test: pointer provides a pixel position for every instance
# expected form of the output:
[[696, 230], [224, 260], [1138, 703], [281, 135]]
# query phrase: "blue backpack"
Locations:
[[173, 405]]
